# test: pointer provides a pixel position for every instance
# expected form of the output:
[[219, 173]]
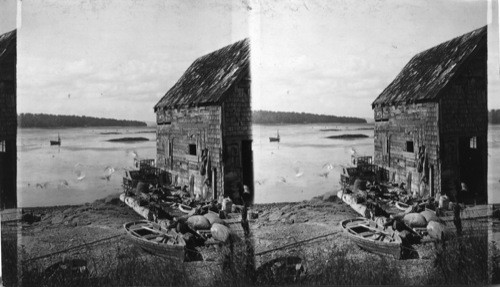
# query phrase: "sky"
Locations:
[[117, 58], [336, 57], [7, 15]]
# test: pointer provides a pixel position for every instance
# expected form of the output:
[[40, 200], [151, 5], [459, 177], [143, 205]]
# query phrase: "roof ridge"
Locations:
[[470, 33], [208, 77], [429, 71]]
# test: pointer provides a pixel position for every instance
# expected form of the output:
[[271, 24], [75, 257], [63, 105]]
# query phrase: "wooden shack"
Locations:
[[8, 120], [431, 121], [204, 135]]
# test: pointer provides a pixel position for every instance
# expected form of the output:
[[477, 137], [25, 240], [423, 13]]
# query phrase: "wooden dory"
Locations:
[[372, 238], [157, 240]]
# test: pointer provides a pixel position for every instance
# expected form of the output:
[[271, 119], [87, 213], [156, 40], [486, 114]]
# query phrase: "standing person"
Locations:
[[460, 200], [246, 198], [456, 218]]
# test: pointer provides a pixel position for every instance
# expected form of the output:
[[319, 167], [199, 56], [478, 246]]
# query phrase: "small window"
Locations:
[[192, 149], [473, 142], [409, 146], [2, 146]]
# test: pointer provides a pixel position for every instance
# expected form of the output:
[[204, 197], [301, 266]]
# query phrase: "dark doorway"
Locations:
[[247, 164], [8, 171], [472, 169]]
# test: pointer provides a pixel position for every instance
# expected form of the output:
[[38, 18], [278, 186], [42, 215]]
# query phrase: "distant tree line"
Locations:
[[494, 117], [59, 121], [269, 117]]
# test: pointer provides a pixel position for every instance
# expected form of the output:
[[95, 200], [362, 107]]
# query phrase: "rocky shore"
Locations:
[[308, 229]]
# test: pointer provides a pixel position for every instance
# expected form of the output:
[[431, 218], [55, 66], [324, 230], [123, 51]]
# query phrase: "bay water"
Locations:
[[305, 163]]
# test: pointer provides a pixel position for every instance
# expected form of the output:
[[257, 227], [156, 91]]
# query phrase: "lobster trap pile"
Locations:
[[173, 210]]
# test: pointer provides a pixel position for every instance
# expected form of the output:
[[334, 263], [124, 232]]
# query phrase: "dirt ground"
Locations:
[[93, 232], [97, 229], [286, 223]]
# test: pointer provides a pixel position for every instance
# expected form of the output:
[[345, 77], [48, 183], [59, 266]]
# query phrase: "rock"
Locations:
[[75, 221], [300, 206], [199, 222], [315, 199], [30, 218], [330, 196], [429, 216], [97, 203], [415, 220], [436, 230], [285, 207], [57, 219], [253, 215], [112, 199], [291, 219], [275, 215], [68, 210], [213, 218], [82, 209], [220, 232]]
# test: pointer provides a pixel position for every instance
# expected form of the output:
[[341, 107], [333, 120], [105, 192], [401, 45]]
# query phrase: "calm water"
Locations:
[[304, 164], [77, 171], [494, 164]]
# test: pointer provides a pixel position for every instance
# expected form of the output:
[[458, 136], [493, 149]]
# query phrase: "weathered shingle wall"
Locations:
[[8, 116], [199, 126], [237, 127], [464, 115], [417, 123], [8, 120]]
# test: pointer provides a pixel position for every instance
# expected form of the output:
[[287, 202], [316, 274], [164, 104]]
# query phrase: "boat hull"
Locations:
[[353, 228], [137, 229]]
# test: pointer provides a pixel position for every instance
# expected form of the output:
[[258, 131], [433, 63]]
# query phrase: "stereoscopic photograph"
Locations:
[[249, 143]]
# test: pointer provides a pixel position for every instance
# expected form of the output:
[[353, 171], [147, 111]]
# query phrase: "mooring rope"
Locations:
[[296, 243], [71, 248]]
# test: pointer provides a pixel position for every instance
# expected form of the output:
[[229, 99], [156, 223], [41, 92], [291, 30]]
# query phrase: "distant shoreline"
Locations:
[[279, 117], [325, 123], [93, 127], [129, 139], [349, 136], [28, 120]]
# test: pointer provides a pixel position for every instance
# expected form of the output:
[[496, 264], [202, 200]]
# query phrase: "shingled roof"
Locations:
[[209, 77], [7, 42], [430, 71]]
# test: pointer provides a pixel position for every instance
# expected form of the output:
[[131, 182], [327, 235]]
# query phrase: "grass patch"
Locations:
[[9, 261], [338, 268], [461, 261]]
